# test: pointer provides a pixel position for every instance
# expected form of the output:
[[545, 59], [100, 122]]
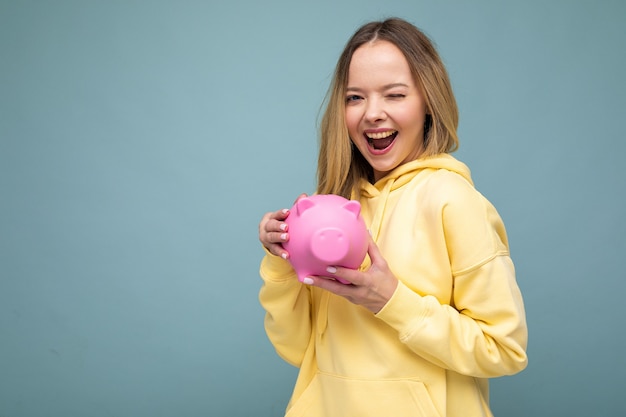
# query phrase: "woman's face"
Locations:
[[385, 109]]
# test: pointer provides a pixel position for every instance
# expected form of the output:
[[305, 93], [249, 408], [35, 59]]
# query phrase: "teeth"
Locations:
[[380, 135]]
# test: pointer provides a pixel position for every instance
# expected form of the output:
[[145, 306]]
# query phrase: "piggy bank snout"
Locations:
[[330, 245]]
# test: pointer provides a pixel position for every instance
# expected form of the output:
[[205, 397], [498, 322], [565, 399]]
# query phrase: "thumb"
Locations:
[[373, 251]]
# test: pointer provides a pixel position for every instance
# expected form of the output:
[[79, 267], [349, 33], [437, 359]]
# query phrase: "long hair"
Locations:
[[340, 164]]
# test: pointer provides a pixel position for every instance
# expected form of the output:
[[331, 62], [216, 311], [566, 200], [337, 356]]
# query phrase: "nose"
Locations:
[[375, 111], [330, 245]]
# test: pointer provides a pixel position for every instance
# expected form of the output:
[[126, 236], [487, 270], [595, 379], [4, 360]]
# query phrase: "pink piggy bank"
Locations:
[[325, 230]]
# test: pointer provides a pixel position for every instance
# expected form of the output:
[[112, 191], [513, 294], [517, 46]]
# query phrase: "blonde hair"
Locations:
[[340, 164]]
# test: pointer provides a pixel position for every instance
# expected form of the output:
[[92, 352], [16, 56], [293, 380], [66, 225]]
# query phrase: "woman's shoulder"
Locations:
[[450, 186]]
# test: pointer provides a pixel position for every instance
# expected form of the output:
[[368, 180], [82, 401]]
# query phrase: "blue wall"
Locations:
[[141, 142]]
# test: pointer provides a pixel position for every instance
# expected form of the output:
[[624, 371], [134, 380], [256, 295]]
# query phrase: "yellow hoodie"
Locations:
[[455, 319]]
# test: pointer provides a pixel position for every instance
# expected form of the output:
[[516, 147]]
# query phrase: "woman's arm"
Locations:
[[288, 309], [286, 301]]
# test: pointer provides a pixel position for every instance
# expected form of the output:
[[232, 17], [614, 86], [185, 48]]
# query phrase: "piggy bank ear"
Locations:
[[303, 205], [353, 207]]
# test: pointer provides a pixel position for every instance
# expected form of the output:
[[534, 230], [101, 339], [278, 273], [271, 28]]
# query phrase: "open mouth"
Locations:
[[381, 140]]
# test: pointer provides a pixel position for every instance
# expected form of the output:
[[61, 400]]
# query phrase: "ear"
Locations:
[[353, 207], [303, 205]]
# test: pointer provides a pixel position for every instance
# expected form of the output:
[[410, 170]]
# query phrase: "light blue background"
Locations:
[[142, 141]]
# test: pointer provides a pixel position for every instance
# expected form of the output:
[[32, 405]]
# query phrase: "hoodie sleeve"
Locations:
[[287, 305], [482, 331], [486, 338]]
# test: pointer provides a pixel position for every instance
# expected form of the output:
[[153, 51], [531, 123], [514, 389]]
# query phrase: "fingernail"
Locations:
[[283, 226], [283, 236], [331, 269], [307, 281], [283, 255], [285, 211]]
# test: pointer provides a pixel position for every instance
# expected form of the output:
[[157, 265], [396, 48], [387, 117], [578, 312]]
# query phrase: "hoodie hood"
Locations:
[[406, 172], [400, 176]]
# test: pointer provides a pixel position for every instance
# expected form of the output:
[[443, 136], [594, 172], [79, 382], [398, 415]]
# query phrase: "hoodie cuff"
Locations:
[[275, 268], [403, 309]]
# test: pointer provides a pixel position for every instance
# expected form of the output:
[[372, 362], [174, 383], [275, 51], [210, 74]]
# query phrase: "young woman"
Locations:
[[434, 311]]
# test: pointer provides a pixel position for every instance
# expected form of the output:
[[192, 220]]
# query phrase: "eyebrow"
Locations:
[[386, 87]]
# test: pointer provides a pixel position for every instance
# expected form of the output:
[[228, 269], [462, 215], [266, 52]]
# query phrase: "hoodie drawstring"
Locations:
[[377, 219]]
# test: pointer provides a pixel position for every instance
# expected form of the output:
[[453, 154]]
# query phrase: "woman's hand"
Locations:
[[372, 288], [273, 231]]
